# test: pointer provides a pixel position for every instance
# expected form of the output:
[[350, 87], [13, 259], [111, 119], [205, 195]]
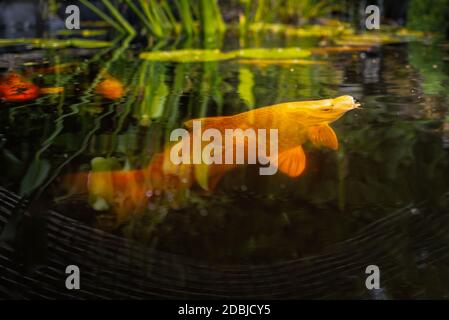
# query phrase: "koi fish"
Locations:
[[15, 88], [126, 192], [110, 88], [296, 122]]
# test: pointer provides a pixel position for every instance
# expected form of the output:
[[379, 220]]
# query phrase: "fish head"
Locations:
[[326, 110]]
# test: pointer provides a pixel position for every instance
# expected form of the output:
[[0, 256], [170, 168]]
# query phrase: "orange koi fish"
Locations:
[[296, 122], [126, 192], [110, 88], [15, 88]]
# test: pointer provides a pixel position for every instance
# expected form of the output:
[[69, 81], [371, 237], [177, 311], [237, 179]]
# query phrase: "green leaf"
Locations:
[[200, 55], [193, 55], [273, 53]]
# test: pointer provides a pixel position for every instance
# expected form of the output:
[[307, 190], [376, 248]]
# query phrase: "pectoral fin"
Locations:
[[323, 136], [292, 162]]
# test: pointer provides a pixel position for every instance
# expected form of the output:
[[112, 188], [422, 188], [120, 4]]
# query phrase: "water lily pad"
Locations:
[[193, 55], [273, 53], [199, 55], [341, 49], [280, 62], [319, 31], [367, 39]]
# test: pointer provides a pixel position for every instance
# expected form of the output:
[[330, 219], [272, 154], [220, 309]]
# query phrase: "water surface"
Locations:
[[383, 192]]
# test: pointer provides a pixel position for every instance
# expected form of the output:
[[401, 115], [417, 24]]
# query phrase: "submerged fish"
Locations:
[[15, 88], [110, 88], [296, 122], [126, 192]]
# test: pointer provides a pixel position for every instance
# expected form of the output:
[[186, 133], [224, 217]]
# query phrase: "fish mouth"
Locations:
[[346, 103], [354, 105]]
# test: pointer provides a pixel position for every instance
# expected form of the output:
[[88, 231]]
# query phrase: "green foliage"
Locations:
[[429, 61], [288, 11], [246, 85], [429, 16], [187, 55], [161, 18], [274, 53]]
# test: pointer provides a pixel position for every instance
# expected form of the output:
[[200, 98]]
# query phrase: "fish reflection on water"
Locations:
[[125, 192]]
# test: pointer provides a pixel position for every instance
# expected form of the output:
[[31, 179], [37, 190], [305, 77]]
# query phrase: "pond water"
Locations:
[[381, 198]]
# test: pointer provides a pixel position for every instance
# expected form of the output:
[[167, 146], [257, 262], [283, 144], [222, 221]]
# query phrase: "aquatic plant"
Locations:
[[205, 17], [246, 85], [428, 17], [160, 18], [273, 53], [299, 11], [188, 55]]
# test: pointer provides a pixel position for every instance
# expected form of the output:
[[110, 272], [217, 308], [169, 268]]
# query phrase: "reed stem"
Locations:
[[102, 15], [119, 17]]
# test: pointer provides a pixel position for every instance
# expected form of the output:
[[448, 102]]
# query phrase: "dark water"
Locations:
[[384, 194]]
